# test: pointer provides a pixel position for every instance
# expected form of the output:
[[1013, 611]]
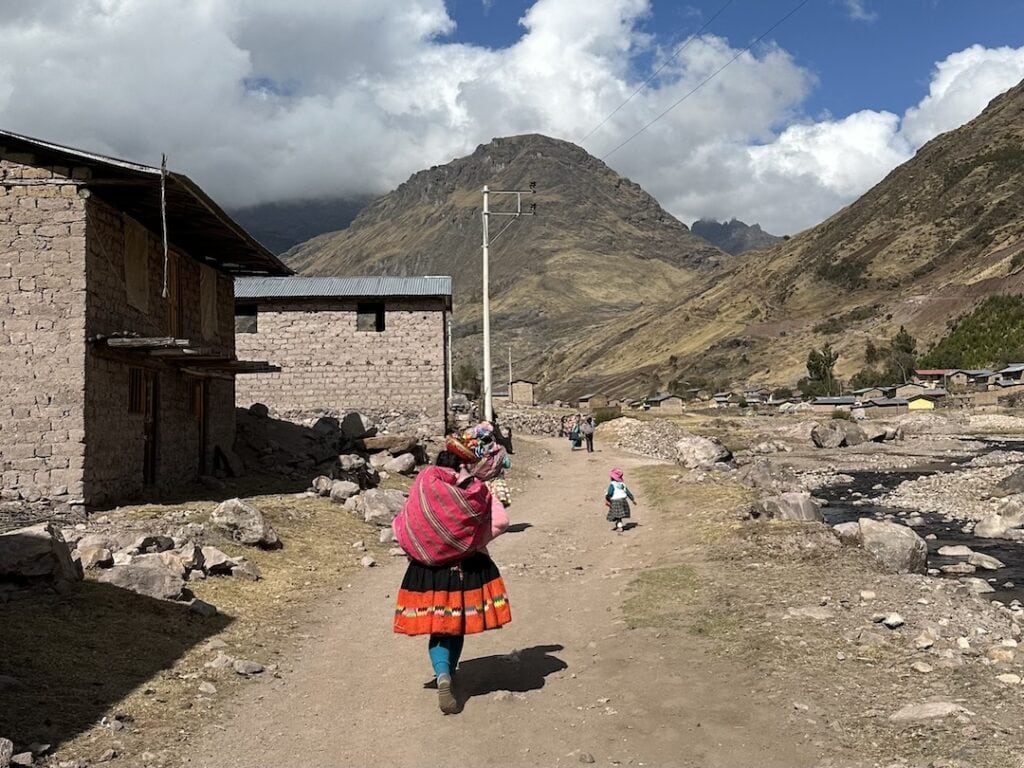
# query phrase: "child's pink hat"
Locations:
[[615, 474]]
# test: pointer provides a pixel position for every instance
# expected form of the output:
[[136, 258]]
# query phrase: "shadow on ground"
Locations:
[[519, 527], [67, 659], [519, 671]]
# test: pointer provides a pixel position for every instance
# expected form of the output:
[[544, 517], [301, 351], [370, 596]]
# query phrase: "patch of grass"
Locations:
[[710, 510], [659, 598], [102, 650]]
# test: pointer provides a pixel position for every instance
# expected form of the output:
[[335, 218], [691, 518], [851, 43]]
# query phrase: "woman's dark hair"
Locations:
[[448, 459]]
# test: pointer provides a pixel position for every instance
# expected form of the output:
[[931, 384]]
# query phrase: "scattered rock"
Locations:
[[985, 562], [378, 460], [367, 561], [92, 557], [586, 757], [38, 551], [149, 544], [216, 562], [150, 577], [404, 464], [815, 612], [923, 667], [394, 444], [695, 452], [892, 621], [22, 759], [1007, 679], [202, 608], [926, 639], [244, 524], [245, 667], [931, 710], [322, 485], [867, 595], [791, 506], [958, 550], [6, 752], [223, 661], [895, 547], [386, 536], [957, 568], [848, 533], [342, 490], [828, 435], [247, 570], [977, 586], [999, 654], [207, 687], [381, 506]]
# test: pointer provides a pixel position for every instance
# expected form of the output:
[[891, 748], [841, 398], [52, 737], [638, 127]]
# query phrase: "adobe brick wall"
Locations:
[[42, 333], [114, 460], [327, 365]]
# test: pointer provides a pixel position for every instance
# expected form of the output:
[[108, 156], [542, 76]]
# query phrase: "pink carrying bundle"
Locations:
[[441, 522]]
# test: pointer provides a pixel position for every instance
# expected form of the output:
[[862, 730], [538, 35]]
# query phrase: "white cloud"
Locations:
[[258, 103], [858, 12]]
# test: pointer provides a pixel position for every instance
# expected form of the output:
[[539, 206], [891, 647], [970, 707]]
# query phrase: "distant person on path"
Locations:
[[587, 429], [617, 497], [451, 587], [575, 436]]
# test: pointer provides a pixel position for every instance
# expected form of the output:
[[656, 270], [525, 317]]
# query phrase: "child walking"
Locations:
[[616, 498]]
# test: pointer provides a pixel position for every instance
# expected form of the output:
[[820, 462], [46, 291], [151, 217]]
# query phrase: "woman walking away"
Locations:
[[616, 498], [588, 433], [451, 588]]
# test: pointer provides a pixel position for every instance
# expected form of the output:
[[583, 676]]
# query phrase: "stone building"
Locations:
[[374, 344], [522, 392], [111, 387]]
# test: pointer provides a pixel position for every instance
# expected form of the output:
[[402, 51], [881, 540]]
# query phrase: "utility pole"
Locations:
[[487, 213]]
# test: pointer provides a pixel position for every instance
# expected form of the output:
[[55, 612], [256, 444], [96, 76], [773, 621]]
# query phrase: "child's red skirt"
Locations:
[[462, 598]]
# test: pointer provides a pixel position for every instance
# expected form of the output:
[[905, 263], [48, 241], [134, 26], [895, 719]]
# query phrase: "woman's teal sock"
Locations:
[[445, 651]]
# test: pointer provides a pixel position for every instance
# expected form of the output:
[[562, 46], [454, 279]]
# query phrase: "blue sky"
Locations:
[[882, 60], [264, 101]]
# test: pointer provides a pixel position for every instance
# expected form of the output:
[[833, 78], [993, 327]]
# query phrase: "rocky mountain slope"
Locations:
[[604, 290], [734, 236], [598, 249], [279, 226]]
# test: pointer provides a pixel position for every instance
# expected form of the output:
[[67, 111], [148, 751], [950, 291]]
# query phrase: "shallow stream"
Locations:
[[1008, 582]]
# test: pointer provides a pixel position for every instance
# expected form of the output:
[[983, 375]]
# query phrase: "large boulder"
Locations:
[[828, 435], [848, 533], [342, 490], [38, 551], [356, 426], [1010, 485], [852, 433], [793, 505], [380, 507], [765, 475], [395, 444], [149, 575], [896, 547], [694, 452], [378, 460], [244, 524], [997, 525], [403, 464]]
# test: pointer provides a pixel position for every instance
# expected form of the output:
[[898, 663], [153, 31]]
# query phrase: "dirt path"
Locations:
[[566, 677]]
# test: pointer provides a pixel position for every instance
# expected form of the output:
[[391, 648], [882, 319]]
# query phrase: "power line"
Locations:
[[706, 80], [657, 72]]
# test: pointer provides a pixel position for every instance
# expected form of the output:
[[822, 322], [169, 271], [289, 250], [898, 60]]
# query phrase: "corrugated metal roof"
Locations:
[[341, 287], [195, 222]]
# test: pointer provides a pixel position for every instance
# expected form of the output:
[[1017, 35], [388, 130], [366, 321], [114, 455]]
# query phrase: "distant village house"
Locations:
[[522, 392], [665, 403], [592, 402], [117, 362], [378, 344]]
